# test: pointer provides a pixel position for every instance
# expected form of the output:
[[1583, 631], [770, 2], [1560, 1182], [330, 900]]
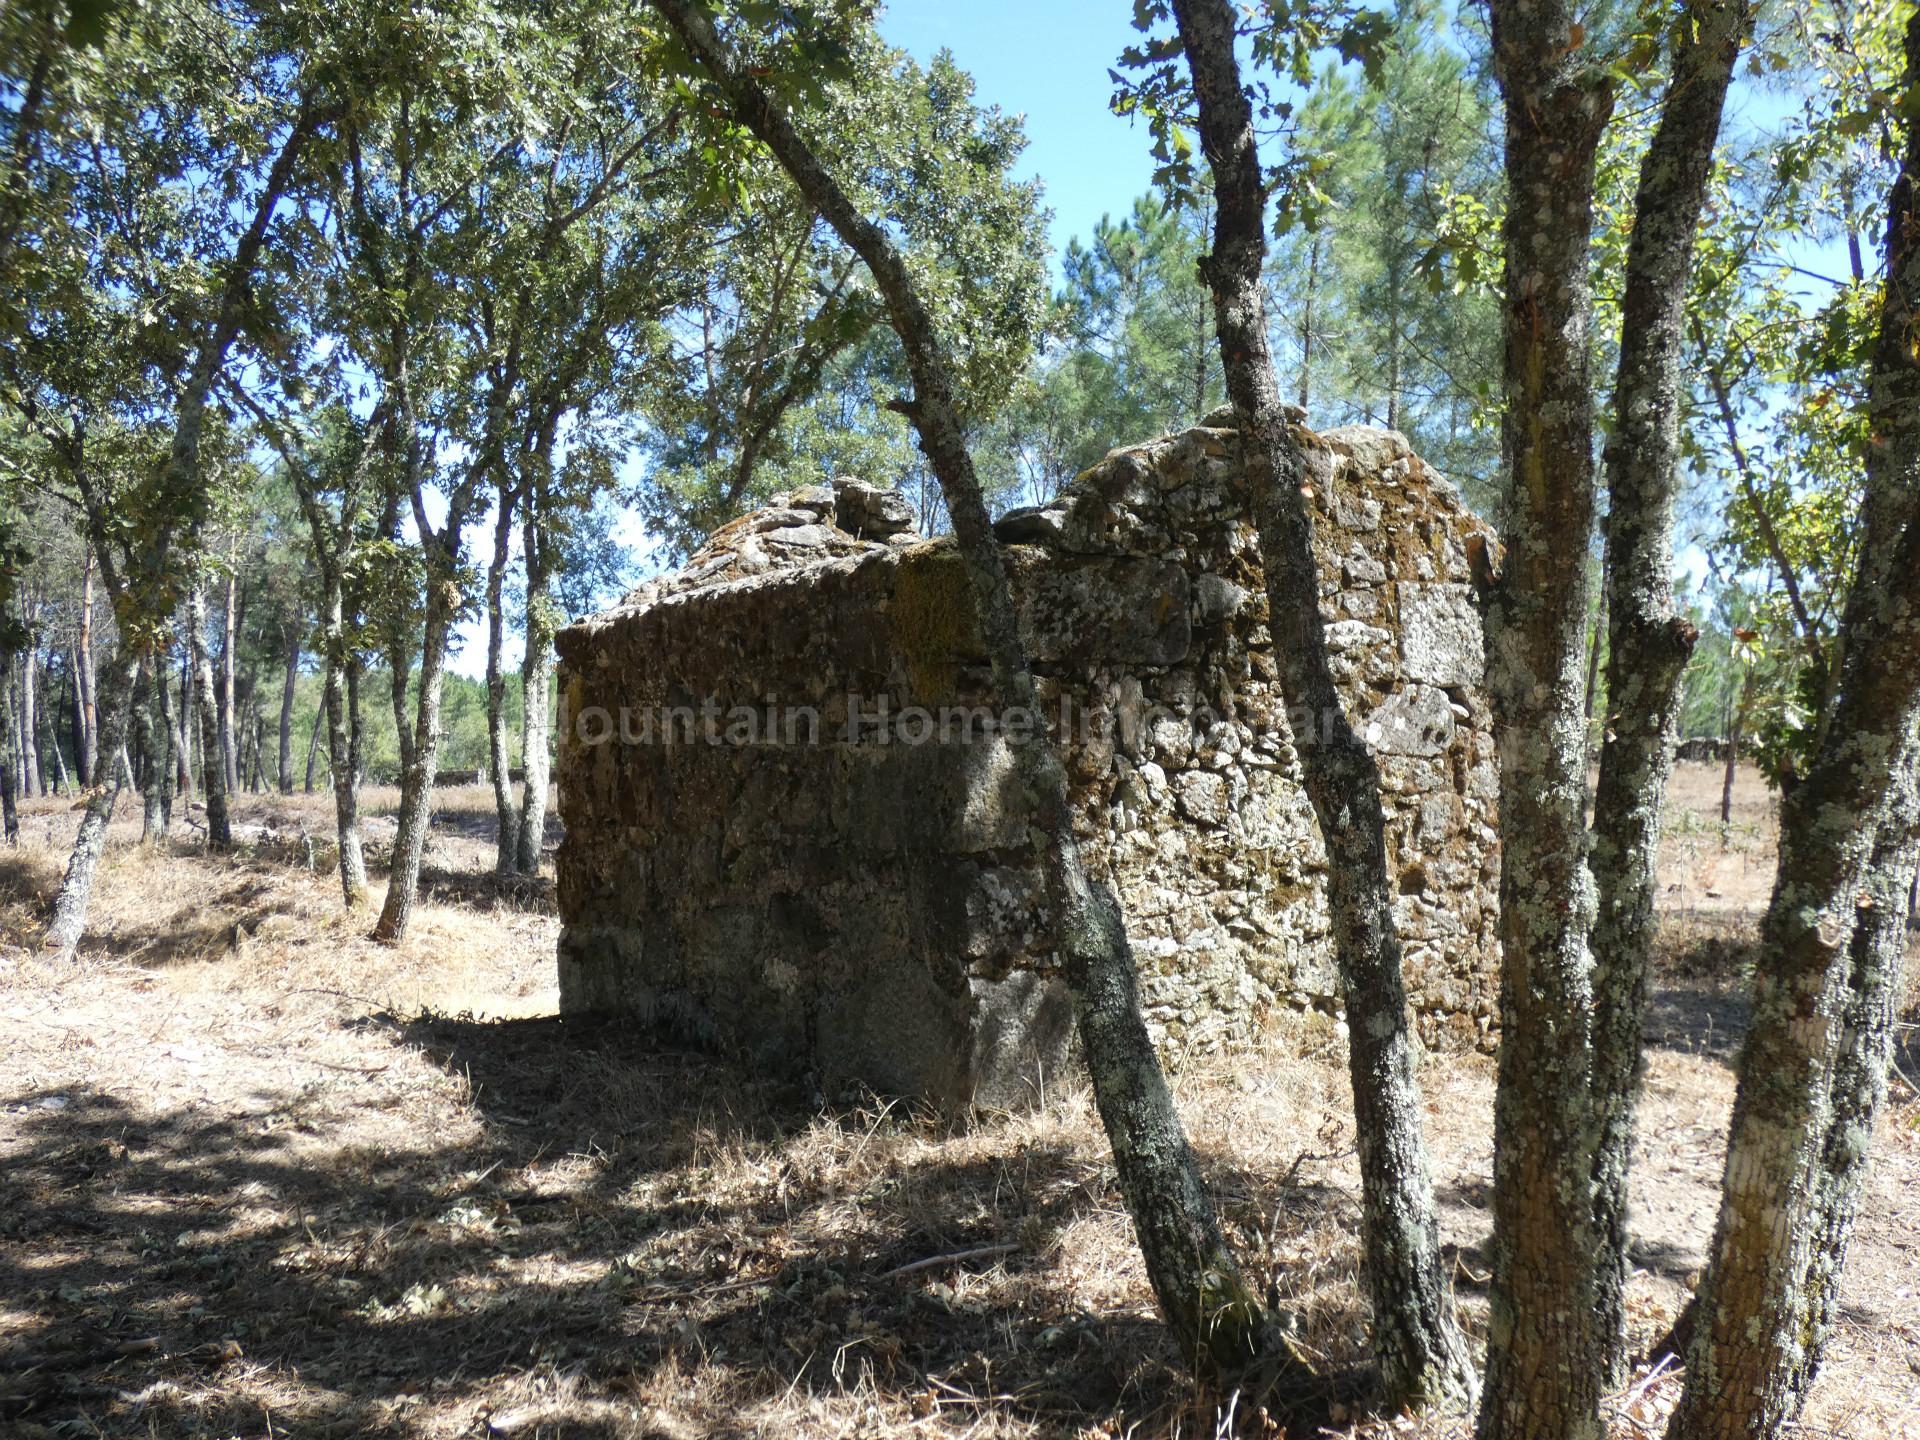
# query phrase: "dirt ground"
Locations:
[[263, 1177]]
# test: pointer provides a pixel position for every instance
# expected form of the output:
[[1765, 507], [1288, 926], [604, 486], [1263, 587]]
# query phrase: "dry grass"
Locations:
[[313, 1186]]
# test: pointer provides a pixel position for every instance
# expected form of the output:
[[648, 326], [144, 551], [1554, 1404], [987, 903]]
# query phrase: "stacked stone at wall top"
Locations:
[[874, 911]]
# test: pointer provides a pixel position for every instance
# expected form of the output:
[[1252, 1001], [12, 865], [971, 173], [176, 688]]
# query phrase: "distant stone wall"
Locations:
[[855, 905]]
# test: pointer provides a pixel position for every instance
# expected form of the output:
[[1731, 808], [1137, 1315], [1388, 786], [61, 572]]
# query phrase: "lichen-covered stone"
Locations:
[[848, 886]]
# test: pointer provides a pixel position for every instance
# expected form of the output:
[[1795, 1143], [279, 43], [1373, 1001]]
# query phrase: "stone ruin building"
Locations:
[[792, 829]]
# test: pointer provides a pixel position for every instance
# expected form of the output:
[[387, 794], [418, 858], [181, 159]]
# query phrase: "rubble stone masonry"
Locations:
[[793, 828]]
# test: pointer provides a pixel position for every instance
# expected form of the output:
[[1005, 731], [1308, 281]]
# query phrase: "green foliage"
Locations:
[[1287, 39], [1780, 346], [1374, 332], [781, 362]]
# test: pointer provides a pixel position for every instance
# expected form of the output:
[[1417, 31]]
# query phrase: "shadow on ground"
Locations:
[[618, 1228]]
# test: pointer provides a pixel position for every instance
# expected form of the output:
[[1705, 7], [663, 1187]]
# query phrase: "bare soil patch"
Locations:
[[260, 1176]]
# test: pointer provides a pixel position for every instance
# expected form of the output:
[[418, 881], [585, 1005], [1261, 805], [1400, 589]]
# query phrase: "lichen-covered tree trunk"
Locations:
[[1423, 1358], [499, 752], [114, 697], [213, 769], [536, 676], [1648, 644], [1813, 1066], [1546, 1358], [1217, 1321], [416, 781]]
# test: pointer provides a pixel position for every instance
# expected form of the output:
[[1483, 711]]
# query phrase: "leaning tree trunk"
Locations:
[[1813, 1067], [213, 769], [114, 696], [1546, 1360], [1217, 1319], [1423, 1358], [499, 754], [536, 675], [1648, 642], [416, 781]]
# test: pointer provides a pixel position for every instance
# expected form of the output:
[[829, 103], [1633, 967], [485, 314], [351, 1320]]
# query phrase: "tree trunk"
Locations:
[[83, 765], [340, 716], [1736, 728], [154, 759], [287, 691], [416, 781], [229, 744], [536, 675], [9, 753], [1813, 1067], [35, 768], [85, 741], [1546, 1362], [313, 745], [213, 769], [251, 735], [76, 888], [62, 782], [186, 727], [1217, 1320], [1422, 1356], [357, 730], [1648, 642], [399, 667], [499, 761], [169, 738], [1306, 320]]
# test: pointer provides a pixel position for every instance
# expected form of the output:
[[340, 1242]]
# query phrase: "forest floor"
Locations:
[[264, 1177]]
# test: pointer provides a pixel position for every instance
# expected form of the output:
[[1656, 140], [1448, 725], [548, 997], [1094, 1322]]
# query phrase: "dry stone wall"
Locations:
[[793, 827]]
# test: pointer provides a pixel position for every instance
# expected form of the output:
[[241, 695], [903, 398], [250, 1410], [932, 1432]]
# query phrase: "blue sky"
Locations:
[[1044, 59], [1047, 60]]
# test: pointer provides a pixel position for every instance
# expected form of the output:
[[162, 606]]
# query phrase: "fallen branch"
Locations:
[[978, 1252]]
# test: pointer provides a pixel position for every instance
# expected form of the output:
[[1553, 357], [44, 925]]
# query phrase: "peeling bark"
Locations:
[[1217, 1321], [1423, 1358]]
